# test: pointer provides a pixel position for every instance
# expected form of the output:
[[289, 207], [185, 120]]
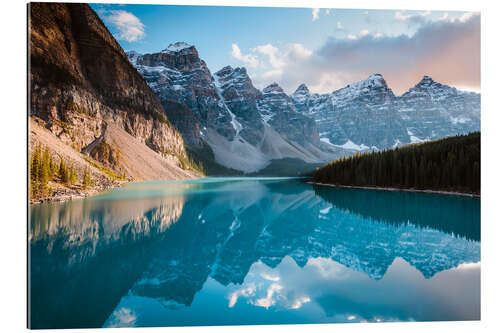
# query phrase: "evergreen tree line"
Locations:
[[43, 168], [451, 164]]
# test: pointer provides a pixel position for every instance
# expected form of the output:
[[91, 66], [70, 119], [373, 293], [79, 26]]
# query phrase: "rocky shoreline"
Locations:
[[395, 189], [61, 195]]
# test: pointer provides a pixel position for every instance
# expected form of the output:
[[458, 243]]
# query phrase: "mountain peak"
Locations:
[[373, 81], [426, 80], [302, 89], [377, 79], [177, 47], [273, 87], [224, 71]]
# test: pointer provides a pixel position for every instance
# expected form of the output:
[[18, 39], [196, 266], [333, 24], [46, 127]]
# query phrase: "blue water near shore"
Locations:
[[222, 251]]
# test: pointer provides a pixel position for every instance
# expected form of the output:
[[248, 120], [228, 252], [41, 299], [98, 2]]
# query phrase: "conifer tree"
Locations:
[[63, 171], [72, 177], [52, 167], [35, 167], [86, 178], [43, 176]]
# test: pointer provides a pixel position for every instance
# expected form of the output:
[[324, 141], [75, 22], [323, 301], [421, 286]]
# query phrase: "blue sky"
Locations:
[[294, 45]]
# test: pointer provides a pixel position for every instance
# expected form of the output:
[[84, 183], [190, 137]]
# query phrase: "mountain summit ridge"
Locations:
[[368, 115]]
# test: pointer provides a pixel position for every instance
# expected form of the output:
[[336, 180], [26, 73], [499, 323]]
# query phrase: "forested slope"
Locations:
[[450, 164]]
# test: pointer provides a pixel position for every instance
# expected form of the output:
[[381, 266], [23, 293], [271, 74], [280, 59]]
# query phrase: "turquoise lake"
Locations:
[[226, 251]]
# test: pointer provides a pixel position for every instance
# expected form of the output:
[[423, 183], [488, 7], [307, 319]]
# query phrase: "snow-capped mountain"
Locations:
[[367, 114], [432, 110], [245, 128]]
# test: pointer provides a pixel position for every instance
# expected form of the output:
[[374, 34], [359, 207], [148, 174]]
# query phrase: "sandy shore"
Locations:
[[395, 189]]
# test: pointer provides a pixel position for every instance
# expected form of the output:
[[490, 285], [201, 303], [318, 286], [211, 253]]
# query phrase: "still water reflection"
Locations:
[[252, 251]]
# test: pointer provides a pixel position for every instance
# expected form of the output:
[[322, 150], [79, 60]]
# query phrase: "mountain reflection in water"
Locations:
[[252, 251]]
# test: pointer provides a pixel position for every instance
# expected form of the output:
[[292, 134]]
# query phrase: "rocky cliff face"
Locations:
[[240, 96], [278, 110], [432, 110], [177, 74], [81, 82], [367, 115], [244, 127]]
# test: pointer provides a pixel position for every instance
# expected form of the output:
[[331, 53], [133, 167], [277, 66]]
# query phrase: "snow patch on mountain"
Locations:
[[413, 138], [351, 145], [176, 47]]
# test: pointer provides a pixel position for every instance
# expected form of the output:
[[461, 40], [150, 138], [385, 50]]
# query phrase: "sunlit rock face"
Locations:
[[81, 81], [367, 115]]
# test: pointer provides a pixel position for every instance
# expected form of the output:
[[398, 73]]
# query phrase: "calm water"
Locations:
[[252, 251]]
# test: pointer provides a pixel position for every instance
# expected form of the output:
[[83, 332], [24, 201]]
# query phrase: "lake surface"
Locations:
[[221, 251]]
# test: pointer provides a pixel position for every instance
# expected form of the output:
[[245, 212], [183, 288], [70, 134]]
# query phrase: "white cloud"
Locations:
[[449, 51], [277, 59], [124, 25], [271, 75], [462, 19], [315, 14], [364, 33], [269, 300], [413, 18], [297, 303], [466, 17], [272, 53], [444, 17], [249, 60], [245, 292], [124, 317], [270, 277]]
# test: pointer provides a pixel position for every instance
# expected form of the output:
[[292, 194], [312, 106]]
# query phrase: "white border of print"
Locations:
[[13, 167]]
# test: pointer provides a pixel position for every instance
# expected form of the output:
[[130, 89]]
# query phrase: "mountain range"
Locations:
[[247, 128]]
